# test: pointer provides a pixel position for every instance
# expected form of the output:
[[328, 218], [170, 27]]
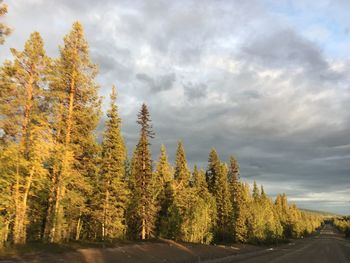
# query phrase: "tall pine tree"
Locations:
[[203, 210], [113, 192], [218, 185], [24, 121], [236, 196], [163, 187], [76, 110], [143, 207]]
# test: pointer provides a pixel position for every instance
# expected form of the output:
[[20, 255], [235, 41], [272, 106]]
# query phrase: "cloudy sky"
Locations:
[[265, 80]]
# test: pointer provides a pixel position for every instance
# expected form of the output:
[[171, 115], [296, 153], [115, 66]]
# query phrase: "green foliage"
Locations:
[[217, 178], [182, 173], [204, 207], [25, 121], [343, 225], [76, 107], [182, 193], [111, 191], [241, 212], [143, 208], [191, 215], [163, 187], [295, 222], [264, 225]]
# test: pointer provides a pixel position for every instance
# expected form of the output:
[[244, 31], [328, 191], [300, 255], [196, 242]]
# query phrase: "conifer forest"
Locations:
[[59, 183]]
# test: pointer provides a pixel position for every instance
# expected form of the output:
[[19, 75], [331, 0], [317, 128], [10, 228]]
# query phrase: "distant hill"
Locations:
[[320, 213]]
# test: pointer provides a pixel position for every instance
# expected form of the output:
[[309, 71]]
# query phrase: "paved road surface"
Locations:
[[326, 247]]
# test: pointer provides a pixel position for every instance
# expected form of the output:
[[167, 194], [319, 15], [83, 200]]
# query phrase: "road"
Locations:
[[326, 247]]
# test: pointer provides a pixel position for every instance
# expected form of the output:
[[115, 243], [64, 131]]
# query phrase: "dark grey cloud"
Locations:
[[240, 76], [195, 91], [161, 83], [285, 48]]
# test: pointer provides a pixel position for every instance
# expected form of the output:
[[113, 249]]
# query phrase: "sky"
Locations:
[[266, 81]]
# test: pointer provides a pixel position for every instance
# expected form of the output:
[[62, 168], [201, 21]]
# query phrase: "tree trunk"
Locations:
[[56, 224], [143, 224], [26, 117], [105, 210], [16, 226], [78, 229], [70, 109], [19, 228], [21, 215]]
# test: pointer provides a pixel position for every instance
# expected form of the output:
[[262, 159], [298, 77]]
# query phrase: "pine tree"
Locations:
[[4, 29], [143, 208], [264, 225], [183, 195], [282, 209], [242, 218], [182, 178], [76, 109], [234, 170], [113, 192], [218, 185], [204, 209], [256, 193], [237, 200], [8, 171], [163, 186], [163, 169], [262, 193], [25, 121], [199, 182], [214, 165], [182, 173]]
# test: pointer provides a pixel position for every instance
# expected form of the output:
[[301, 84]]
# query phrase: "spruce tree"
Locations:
[[163, 186], [218, 185], [199, 182], [183, 194], [113, 192], [163, 172], [204, 209], [182, 173], [236, 196], [143, 207], [182, 178], [256, 193], [214, 165], [264, 225], [234, 169], [243, 216], [75, 107], [262, 193]]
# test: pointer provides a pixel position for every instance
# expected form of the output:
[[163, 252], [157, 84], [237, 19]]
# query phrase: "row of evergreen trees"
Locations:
[[342, 224], [58, 184]]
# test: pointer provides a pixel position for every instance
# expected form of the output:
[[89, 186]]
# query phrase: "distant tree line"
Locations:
[[343, 225], [57, 183]]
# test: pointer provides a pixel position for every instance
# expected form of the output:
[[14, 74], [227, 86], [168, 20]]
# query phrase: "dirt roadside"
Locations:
[[146, 252]]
